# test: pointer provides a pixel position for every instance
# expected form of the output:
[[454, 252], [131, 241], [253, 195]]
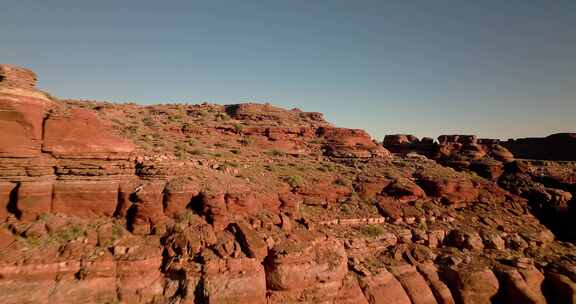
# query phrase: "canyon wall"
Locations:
[[182, 203]]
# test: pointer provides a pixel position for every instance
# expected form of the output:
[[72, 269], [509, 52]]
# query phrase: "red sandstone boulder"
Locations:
[[369, 186], [500, 153], [354, 143], [400, 139], [215, 209], [178, 195], [350, 292], [414, 284], [450, 186], [409, 144], [222, 208], [240, 203], [471, 283], [147, 207], [251, 241], [296, 265], [189, 239], [522, 285], [560, 288], [390, 207], [383, 288], [489, 169], [461, 139], [441, 292], [465, 239], [404, 190], [234, 281]]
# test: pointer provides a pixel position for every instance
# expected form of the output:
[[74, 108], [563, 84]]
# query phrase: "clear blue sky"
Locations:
[[504, 68]]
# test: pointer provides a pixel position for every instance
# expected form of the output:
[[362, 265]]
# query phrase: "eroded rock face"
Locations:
[[450, 186], [104, 203], [471, 283], [351, 143], [234, 281], [522, 285], [22, 109], [383, 288], [553, 147], [17, 77], [414, 284], [88, 199], [304, 265], [80, 134]]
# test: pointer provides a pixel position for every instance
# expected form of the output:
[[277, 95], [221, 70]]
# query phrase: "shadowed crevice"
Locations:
[[12, 206]]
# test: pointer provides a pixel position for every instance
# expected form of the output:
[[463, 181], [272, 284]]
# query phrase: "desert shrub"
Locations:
[[221, 145], [371, 231], [340, 182], [238, 128], [245, 141], [345, 208], [275, 153], [148, 121], [52, 97], [327, 167], [132, 130], [197, 152], [69, 233], [293, 180], [175, 118], [222, 116], [117, 121]]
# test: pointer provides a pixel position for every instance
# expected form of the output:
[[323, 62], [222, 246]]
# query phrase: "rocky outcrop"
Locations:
[[448, 185], [351, 143], [313, 269], [105, 203], [79, 133], [23, 111], [404, 144], [472, 283], [41, 150], [559, 146], [383, 288], [234, 281]]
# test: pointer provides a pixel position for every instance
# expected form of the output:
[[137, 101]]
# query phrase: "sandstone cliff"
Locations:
[[251, 203]]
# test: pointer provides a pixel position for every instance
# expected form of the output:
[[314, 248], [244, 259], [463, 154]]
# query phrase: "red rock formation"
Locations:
[[450, 186], [472, 284], [297, 268], [383, 288], [559, 146], [23, 110], [104, 203], [234, 281], [80, 134], [351, 143]]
